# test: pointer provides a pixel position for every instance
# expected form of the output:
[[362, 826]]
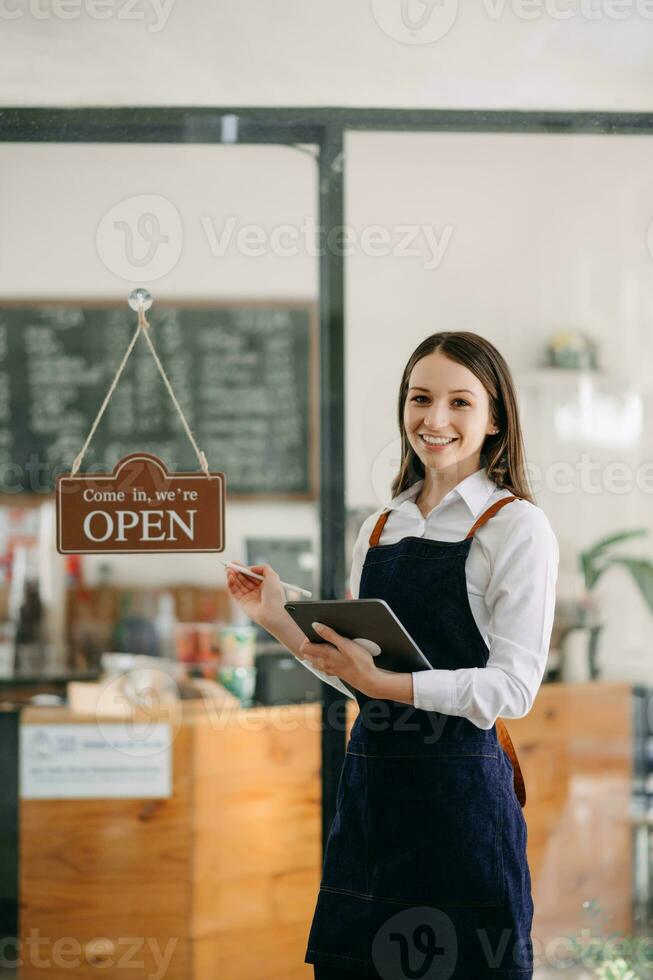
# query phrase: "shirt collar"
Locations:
[[475, 490]]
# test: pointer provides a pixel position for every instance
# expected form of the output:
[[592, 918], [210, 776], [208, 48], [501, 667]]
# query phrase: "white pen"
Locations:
[[246, 571]]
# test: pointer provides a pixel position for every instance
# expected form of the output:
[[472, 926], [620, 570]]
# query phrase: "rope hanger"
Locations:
[[138, 300]]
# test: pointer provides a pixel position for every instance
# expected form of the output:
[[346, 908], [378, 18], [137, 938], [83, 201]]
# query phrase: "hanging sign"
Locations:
[[140, 507]]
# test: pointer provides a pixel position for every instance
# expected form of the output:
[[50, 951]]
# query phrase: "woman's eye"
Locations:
[[461, 400]]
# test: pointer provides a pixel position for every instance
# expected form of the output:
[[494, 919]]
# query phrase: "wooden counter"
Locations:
[[227, 868], [224, 874], [576, 750]]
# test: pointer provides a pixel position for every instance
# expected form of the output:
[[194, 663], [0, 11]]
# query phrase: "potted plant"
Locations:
[[596, 560]]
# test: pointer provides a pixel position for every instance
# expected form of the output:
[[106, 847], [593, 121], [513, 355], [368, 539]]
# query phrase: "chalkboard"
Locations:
[[243, 372]]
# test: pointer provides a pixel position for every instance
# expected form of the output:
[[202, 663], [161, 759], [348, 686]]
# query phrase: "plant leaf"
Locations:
[[641, 570], [611, 539]]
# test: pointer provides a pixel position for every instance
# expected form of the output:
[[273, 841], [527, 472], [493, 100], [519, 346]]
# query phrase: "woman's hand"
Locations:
[[261, 601], [343, 657]]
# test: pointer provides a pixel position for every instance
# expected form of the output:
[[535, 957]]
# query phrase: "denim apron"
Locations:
[[425, 871]]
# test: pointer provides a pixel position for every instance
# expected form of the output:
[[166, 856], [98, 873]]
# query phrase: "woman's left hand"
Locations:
[[340, 656]]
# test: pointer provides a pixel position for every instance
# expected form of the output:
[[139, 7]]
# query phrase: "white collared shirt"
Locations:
[[511, 574]]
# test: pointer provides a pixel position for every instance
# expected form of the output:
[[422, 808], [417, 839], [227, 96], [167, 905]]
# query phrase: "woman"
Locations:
[[425, 871]]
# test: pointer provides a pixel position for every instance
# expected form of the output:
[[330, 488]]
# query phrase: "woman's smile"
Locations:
[[437, 444]]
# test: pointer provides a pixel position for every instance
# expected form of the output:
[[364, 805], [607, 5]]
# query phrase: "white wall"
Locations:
[[541, 233], [57, 240], [566, 54], [536, 233]]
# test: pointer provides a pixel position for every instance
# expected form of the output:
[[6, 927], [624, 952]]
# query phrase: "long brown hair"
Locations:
[[502, 454]]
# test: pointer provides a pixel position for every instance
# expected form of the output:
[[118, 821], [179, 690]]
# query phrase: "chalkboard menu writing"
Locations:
[[243, 374]]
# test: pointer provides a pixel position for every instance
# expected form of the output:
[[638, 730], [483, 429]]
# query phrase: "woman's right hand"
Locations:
[[261, 601]]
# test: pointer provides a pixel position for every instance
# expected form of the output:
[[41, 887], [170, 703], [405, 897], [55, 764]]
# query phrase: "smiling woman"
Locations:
[[460, 494], [488, 553]]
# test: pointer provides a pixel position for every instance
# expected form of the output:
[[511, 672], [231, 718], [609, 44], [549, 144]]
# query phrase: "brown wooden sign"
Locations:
[[140, 507]]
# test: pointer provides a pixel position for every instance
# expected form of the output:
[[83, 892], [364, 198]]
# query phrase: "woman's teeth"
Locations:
[[431, 441]]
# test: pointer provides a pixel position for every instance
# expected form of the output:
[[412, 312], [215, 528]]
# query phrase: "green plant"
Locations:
[[597, 559], [612, 956], [615, 970]]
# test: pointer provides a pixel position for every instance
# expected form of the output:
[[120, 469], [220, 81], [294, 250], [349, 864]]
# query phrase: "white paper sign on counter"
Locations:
[[91, 761]]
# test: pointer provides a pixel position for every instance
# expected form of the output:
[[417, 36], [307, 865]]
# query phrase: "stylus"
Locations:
[[246, 571]]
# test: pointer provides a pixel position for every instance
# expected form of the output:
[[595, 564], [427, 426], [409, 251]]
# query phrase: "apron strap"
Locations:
[[378, 529], [381, 522], [490, 512], [506, 744]]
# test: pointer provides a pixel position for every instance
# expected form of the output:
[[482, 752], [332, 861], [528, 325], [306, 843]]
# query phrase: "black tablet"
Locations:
[[370, 622]]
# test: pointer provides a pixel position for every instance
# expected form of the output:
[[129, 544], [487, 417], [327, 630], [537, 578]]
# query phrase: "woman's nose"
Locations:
[[436, 418]]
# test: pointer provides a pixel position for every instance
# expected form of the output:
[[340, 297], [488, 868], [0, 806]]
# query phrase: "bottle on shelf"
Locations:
[[29, 631]]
